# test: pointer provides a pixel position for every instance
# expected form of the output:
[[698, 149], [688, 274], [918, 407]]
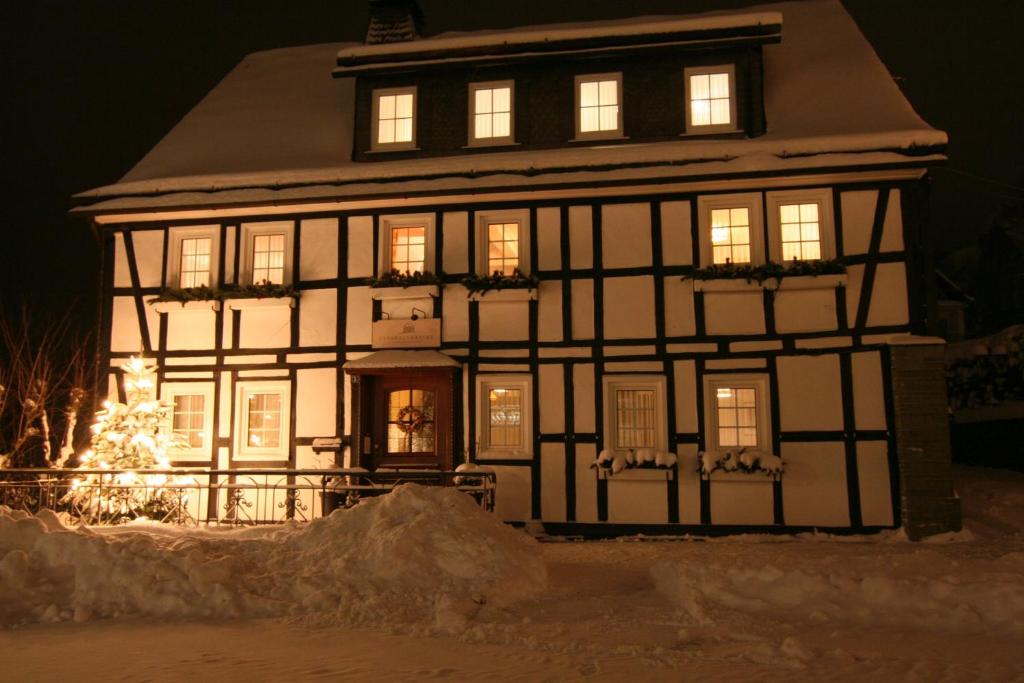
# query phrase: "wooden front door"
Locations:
[[412, 420]]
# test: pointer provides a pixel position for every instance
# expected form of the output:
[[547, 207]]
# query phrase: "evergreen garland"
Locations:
[[395, 278], [261, 290], [481, 284], [767, 271]]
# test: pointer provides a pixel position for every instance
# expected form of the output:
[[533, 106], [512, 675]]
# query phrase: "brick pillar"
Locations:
[[922, 441]]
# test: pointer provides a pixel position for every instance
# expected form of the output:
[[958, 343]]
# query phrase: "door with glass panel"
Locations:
[[413, 418]]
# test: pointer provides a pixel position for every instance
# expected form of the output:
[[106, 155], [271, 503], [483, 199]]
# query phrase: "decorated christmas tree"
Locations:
[[129, 438]]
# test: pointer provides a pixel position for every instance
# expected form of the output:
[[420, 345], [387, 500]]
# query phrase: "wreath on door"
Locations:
[[410, 420]]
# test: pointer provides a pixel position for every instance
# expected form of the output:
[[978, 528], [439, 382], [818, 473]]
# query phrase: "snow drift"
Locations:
[[418, 558], [981, 602]]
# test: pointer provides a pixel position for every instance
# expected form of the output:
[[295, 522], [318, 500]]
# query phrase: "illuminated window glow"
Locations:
[[188, 420], [635, 418], [492, 112], [801, 236], [410, 421], [263, 424], [505, 417], [268, 258], [599, 110], [502, 247], [710, 100], [194, 268], [730, 235], [408, 248], [736, 409], [395, 118]]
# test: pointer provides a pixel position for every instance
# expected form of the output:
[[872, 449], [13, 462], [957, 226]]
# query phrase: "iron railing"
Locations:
[[195, 497]]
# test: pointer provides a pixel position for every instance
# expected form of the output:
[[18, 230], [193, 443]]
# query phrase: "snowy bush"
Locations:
[[741, 460], [643, 458]]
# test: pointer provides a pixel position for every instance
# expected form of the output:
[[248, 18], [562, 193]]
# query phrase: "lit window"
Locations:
[[192, 256], [711, 101], [599, 106], [394, 118], [490, 113], [410, 421], [800, 225], [268, 252], [731, 229], [635, 412], [263, 420], [737, 414], [503, 241], [191, 418], [730, 235], [268, 259], [504, 415], [408, 249]]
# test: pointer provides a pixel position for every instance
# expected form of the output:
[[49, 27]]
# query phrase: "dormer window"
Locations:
[[394, 119], [599, 106], [490, 113], [711, 99]]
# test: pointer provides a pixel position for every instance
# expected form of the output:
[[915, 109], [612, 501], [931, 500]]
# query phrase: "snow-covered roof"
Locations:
[[279, 128], [402, 359]]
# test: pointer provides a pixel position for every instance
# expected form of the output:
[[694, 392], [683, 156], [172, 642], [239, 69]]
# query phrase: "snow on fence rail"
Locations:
[[195, 497]]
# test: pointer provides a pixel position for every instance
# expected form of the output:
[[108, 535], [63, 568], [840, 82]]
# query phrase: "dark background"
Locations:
[[93, 85]]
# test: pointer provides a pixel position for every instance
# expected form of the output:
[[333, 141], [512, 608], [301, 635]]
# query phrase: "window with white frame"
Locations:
[[268, 252], [634, 414], [263, 418], [737, 413], [394, 119], [505, 415], [710, 99], [490, 113], [193, 256], [407, 243], [191, 418], [800, 225], [503, 239], [599, 106], [731, 229]]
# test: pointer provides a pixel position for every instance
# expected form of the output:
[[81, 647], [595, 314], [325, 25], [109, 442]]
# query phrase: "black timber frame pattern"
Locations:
[[469, 351]]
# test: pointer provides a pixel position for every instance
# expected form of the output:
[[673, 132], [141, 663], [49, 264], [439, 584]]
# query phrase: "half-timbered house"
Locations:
[[639, 184]]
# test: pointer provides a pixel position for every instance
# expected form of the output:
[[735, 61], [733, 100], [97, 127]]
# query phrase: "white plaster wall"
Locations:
[[734, 312], [868, 394], [586, 483], [191, 329], [629, 307], [680, 320], [122, 275], [583, 397], [455, 321], [318, 251], [149, 256], [686, 396], [360, 246], [814, 484], [809, 393], [873, 474], [512, 497], [889, 296], [676, 238], [805, 310], [229, 253], [226, 399], [582, 309], [318, 317], [747, 501], [456, 241], [549, 311], [854, 278], [552, 398], [638, 501], [504, 320], [316, 397], [626, 235], [689, 484], [549, 240], [552, 482], [858, 212], [265, 327], [125, 334], [892, 228], [359, 313], [581, 237]]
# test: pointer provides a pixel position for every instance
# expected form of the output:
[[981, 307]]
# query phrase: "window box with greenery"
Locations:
[[641, 464], [794, 275], [739, 465], [238, 296], [396, 284], [516, 286]]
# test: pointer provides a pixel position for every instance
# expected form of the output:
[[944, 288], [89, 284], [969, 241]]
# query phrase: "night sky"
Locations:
[[93, 85]]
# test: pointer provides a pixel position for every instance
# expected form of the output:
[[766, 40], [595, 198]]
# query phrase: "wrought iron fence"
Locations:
[[196, 497]]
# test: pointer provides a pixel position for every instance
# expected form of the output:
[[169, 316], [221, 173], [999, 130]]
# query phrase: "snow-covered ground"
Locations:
[[420, 584]]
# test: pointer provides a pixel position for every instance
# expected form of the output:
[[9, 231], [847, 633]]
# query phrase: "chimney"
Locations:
[[393, 21]]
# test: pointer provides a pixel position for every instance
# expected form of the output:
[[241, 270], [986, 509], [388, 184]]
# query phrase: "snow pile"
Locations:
[[419, 558], [986, 601]]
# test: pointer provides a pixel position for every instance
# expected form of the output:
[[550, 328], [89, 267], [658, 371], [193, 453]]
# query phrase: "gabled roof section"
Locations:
[[279, 129], [592, 38]]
